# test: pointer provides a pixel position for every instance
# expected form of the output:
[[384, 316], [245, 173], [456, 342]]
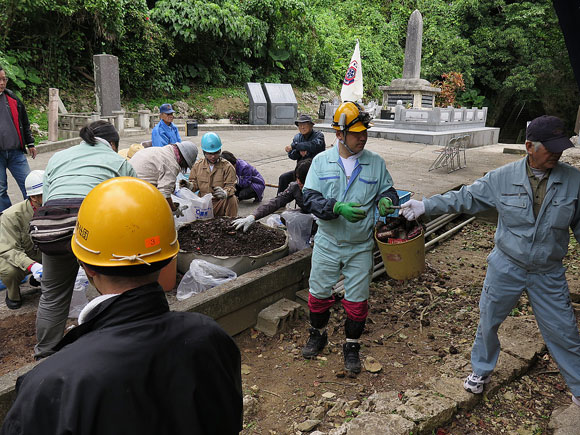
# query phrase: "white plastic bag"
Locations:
[[274, 221], [198, 208], [201, 276], [299, 226], [79, 296]]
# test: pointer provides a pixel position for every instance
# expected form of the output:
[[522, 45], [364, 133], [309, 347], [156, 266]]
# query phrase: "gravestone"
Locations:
[[413, 47], [258, 104], [107, 88], [282, 104]]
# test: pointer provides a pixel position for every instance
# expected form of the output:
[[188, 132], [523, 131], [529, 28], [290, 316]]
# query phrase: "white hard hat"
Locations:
[[188, 151], [33, 183]]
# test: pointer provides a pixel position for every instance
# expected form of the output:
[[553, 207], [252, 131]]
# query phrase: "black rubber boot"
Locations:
[[351, 357], [315, 344], [13, 305]]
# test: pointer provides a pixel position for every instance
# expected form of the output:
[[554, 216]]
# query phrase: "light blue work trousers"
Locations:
[[330, 259], [550, 300]]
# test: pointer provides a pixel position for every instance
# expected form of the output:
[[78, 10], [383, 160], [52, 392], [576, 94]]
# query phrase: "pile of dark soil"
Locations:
[[218, 237], [17, 340]]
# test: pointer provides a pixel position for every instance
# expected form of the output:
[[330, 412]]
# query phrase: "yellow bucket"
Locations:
[[404, 260]]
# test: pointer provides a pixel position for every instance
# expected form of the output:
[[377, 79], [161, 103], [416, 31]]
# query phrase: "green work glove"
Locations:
[[350, 210], [385, 206]]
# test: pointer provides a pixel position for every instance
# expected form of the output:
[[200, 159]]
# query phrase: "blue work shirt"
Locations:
[[163, 134], [369, 182], [535, 244]]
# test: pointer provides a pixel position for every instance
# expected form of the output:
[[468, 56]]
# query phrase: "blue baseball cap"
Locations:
[[166, 108]]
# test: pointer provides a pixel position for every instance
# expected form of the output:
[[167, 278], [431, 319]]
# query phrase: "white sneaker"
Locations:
[[474, 383], [576, 400]]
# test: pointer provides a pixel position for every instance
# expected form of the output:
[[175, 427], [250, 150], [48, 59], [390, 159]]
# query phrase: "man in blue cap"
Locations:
[[537, 202], [165, 132]]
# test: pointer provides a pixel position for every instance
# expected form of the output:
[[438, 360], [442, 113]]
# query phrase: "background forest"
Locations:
[[511, 54]]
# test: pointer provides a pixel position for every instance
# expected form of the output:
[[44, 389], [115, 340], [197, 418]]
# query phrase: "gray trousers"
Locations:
[[11, 277], [550, 299], [58, 279]]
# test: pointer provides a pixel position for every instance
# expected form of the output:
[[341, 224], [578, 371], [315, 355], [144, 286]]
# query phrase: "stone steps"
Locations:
[[422, 411]]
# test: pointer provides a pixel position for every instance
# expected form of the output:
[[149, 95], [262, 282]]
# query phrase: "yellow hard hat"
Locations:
[[124, 221], [349, 116]]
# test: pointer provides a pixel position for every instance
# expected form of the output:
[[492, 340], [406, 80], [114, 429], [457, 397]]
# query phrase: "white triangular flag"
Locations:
[[352, 86]]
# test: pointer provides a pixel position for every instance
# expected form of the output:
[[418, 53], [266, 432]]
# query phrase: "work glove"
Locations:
[[412, 209], [350, 211], [36, 270], [178, 212], [219, 193], [244, 223], [385, 206], [185, 183]]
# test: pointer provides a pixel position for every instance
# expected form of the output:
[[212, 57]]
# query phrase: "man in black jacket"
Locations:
[[131, 366], [305, 145], [292, 193], [15, 140]]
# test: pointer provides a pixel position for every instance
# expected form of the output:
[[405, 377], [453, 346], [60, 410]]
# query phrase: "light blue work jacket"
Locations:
[[74, 172], [368, 181], [535, 244], [163, 134]]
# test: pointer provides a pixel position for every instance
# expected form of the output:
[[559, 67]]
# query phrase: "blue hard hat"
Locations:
[[211, 142]]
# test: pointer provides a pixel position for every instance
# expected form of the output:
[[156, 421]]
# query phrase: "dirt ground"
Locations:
[[411, 330], [218, 237]]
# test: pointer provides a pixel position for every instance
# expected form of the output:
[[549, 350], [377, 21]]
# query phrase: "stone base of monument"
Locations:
[[480, 136]]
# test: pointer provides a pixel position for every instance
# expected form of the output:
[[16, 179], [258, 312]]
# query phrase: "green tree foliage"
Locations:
[[520, 56], [511, 54], [232, 42], [54, 41]]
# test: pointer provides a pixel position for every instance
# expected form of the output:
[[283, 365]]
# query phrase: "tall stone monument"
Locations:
[[411, 89], [107, 88]]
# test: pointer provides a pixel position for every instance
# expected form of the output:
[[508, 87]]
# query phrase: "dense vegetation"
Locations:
[[511, 54]]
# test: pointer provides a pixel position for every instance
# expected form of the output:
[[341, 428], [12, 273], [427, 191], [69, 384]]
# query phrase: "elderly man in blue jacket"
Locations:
[[165, 132], [343, 188], [537, 202]]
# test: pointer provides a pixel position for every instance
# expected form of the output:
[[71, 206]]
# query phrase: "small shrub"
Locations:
[[242, 117]]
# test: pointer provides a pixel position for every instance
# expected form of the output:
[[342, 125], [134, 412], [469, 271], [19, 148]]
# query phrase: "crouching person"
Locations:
[[214, 175], [131, 366], [18, 255]]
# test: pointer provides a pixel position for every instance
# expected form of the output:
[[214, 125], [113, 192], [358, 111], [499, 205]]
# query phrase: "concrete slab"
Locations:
[[520, 337], [452, 388], [507, 369], [427, 409], [564, 420], [235, 305], [274, 319], [376, 424], [480, 136], [382, 402], [8, 388]]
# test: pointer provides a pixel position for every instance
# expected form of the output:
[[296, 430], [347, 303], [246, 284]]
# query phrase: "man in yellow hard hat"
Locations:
[[131, 366], [343, 188]]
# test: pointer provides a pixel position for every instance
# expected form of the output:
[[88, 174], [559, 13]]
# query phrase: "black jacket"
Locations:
[[134, 367], [292, 193], [313, 143], [19, 114]]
